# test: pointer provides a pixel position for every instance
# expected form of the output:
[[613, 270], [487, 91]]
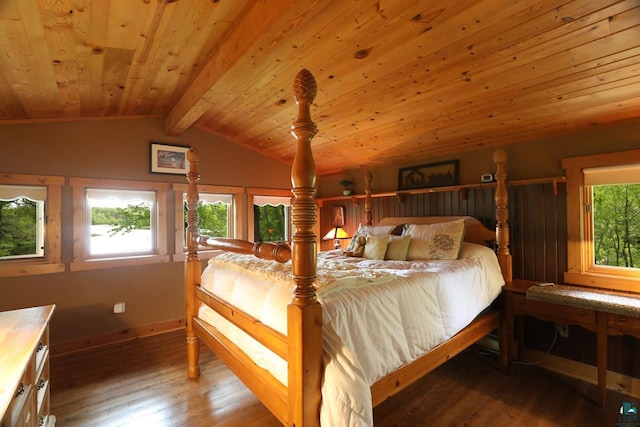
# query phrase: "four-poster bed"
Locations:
[[293, 392]]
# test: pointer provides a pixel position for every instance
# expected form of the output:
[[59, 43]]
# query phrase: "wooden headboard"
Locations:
[[474, 230]]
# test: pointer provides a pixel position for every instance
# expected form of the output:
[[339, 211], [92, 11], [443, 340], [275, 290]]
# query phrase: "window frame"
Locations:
[[81, 260], [51, 262], [180, 194], [581, 269], [252, 192]]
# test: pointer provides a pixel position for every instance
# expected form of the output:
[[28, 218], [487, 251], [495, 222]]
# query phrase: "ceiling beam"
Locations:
[[249, 29]]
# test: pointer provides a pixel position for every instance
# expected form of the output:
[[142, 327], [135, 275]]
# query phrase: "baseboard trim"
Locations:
[[587, 373], [59, 349]]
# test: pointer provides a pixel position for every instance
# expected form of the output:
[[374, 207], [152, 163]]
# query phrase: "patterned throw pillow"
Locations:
[[376, 246], [435, 241], [365, 230], [398, 247]]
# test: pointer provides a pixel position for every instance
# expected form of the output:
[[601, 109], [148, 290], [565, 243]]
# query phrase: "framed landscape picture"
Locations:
[[169, 159], [430, 175]]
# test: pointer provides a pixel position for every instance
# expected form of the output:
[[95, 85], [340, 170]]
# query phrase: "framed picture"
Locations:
[[337, 213], [169, 159], [431, 175]]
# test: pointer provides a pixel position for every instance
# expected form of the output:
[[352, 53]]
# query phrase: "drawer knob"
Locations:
[[21, 389], [622, 319], [41, 384]]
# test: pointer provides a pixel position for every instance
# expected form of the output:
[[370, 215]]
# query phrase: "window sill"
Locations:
[[29, 269], [604, 281], [118, 262]]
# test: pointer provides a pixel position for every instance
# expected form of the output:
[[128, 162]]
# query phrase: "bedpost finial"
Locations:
[[192, 155], [500, 156], [304, 86]]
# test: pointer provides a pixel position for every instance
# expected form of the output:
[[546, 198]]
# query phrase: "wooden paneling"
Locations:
[[398, 80]]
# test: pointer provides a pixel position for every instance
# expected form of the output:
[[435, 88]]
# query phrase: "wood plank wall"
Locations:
[[537, 219]]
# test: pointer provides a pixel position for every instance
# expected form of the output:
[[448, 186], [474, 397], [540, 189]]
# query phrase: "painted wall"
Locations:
[[116, 149], [539, 159]]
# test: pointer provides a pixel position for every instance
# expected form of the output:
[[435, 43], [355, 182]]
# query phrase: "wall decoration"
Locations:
[[431, 175], [337, 213], [169, 159]]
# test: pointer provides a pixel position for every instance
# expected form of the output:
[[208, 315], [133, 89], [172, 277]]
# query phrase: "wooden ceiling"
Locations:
[[398, 80]]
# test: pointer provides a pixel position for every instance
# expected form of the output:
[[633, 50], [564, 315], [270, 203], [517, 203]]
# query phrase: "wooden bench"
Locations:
[[601, 311]]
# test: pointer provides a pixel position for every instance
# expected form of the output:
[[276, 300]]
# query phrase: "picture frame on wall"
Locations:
[[438, 174], [167, 158]]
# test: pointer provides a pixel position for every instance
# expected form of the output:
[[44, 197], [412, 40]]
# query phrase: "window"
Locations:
[[30, 225], [603, 220], [219, 211], [118, 223], [270, 215]]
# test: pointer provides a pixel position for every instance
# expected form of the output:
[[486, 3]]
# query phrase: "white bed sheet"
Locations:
[[368, 331]]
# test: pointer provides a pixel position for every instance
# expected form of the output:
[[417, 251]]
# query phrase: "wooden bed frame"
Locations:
[[298, 404]]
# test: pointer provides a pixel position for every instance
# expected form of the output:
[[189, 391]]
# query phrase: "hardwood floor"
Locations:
[[144, 383]]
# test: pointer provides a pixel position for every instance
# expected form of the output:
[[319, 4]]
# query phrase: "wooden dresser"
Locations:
[[24, 367]]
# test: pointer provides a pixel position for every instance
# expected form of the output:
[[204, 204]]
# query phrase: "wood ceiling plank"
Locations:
[[139, 87], [57, 21], [31, 77], [10, 105], [90, 28], [117, 64]]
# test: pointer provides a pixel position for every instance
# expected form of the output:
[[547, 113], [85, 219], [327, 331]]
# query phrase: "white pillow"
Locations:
[[376, 247], [398, 247], [435, 241]]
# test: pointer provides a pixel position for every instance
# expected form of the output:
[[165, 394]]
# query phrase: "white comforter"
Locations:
[[370, 327]]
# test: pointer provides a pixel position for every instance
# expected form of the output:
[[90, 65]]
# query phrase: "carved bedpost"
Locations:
[[192, 263], [502, 216], [368, 216], [304, 314]]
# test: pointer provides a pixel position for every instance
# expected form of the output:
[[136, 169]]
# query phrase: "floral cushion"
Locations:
[[435, 241]]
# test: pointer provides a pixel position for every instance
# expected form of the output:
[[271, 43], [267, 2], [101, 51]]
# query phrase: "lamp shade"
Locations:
[[336, 233]]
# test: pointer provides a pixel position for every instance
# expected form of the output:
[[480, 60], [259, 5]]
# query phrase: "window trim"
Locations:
[[180, 192], [252, 192], [580, 268], [52, 260], [80, 260]]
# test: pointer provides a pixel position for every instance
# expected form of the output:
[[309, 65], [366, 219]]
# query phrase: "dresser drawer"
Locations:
[[21, 411], [622, 324], [557, 313]]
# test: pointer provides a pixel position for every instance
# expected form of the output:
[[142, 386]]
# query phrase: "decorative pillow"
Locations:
[[435, 241], [365, 230], [398, 247], [376, 247]]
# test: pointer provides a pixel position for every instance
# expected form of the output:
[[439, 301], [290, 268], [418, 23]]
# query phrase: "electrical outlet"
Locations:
[[563, 330], [119, 307]]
